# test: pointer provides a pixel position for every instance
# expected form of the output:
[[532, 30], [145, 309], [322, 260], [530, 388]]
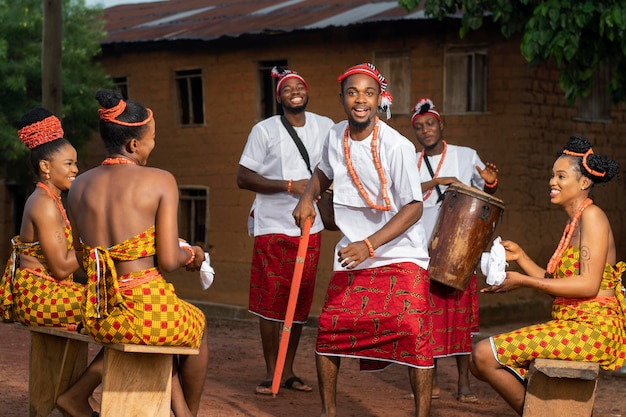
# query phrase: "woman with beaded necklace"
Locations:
[[588, 312], [125, 215], [37, 287]]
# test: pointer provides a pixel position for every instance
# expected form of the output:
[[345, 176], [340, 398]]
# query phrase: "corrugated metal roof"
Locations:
[[207, 20]]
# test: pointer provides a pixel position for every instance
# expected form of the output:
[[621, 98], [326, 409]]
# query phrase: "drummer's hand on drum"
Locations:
[[512, 281], [447, 180], [512, 250], [353, 254], [489, 174]]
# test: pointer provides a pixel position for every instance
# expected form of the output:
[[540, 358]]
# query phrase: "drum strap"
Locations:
[[432, 174]]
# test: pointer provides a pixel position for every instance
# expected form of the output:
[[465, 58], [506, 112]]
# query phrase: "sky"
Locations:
[[110, 3]]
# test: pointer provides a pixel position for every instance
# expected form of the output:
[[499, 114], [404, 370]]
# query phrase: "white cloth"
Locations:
[[207, 273], [459, 162], [272, 153], [353, 216], [493, 263]]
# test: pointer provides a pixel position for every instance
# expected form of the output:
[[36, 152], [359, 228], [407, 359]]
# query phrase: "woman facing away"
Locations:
[[588, 311], [125, 216], [37, 287]]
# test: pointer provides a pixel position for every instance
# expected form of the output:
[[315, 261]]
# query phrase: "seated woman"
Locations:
[[37, 287], [588, 312], [125, 215]]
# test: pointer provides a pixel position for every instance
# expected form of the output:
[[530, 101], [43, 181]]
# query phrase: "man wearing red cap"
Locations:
[[277, 168], [376, 306], [455, 313]]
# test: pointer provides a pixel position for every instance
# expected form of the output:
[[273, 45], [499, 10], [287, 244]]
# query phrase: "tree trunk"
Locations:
[[51, 75]]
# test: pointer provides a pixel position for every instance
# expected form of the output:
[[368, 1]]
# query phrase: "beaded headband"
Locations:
[[585, 156], [423, 107], [43, 131], [371, 71], [283, 75], [110, 115]]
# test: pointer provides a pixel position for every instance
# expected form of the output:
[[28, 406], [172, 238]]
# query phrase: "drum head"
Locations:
[[476, 193]]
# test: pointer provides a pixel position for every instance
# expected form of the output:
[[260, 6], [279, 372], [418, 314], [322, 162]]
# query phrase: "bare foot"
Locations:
[[467, 398], [435, 393], [410, 396], [74, 406], [94, 404]]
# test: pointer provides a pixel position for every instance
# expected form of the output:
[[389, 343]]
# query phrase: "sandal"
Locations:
[[301, 386], [264, 388]]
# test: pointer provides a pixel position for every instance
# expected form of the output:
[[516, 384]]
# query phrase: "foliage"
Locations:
[[580, 36], [20, 75]]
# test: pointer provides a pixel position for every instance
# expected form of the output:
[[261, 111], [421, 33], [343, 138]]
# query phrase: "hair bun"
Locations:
[[578, 144], [108, 98], [598, 168]]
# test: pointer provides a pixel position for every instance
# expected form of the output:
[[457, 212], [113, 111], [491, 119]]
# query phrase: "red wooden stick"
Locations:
[[291, 306]]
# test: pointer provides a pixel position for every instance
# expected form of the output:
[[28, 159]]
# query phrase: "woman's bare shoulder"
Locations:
[[594, 213], [164, 177], [594, 220]]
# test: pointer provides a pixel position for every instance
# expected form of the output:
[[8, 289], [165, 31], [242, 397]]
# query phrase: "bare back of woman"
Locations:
[[126, 217]]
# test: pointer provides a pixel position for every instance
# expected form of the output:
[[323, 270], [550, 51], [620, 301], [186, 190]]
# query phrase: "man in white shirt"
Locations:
[[376, 307], [274, 168], [455, 312]]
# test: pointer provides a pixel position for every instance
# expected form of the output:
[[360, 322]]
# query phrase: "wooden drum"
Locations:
[[466, 222]]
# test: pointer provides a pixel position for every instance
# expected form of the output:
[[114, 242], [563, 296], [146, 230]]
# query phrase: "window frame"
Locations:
[[121, 85], [191, 106], [267, 105], [396, 68], [474, 96], [189, 231], [596, 107]]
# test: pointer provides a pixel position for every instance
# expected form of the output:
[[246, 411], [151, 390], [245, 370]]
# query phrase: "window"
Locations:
[[121, 85], [597, 106], [193, 215], [465, 80], [267, 89], [190, 97], [395, 67]]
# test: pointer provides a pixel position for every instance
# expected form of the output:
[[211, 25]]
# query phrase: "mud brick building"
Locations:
[[203, 67]]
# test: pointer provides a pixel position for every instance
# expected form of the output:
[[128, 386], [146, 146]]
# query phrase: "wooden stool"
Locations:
[[55, 364], [136, 381], [558, 388]]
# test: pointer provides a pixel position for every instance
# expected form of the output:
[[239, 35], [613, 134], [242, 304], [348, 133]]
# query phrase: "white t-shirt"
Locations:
[[459, 162], [353, 216], [272, 153]]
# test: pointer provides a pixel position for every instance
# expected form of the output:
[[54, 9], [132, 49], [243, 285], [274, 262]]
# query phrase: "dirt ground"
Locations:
[[236, 367]]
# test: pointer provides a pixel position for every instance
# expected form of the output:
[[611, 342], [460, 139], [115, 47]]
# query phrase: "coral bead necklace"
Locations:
[[443, 156], [567, 236], [120, 160], [379, 169], [57, 200]]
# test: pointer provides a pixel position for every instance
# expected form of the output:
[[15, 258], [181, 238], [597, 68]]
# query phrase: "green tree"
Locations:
[[20, 75], [578, 35]]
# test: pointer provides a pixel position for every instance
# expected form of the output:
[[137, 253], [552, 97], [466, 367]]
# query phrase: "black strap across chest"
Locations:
[[432, 174], [296, 139]]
